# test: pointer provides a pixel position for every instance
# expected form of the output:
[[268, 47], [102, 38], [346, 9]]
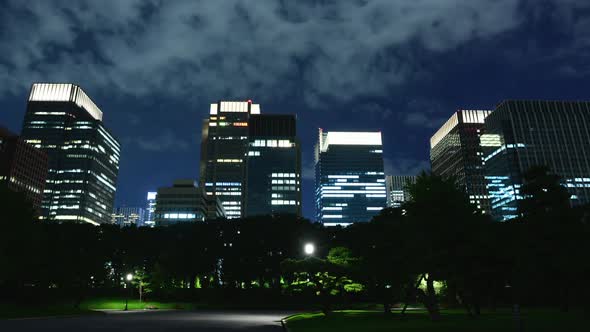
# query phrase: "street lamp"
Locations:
[[128, 278], [309, 249]]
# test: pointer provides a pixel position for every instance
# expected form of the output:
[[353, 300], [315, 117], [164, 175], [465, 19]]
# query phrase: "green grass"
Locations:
[[452, 320], [86, 307]]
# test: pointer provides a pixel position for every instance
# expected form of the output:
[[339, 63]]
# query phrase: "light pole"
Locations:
[[128, 279], [309, 249]]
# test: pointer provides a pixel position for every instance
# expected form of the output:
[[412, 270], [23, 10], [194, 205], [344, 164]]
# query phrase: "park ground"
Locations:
[[452, 320]]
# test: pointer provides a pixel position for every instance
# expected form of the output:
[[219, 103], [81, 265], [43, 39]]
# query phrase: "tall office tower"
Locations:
[[397, 189], [150, 219], [350, 183], [455, 152], [183, 202], [23, 168], [127, 216], [273, 166], [521, 134], [223, 152], [83, 155]]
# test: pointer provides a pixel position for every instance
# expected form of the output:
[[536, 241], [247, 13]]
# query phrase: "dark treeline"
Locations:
[[438, 250]]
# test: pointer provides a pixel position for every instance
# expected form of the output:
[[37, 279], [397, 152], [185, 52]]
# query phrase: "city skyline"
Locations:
[[341, 73]]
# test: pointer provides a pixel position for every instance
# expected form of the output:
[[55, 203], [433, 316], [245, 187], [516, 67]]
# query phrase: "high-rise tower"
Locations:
[[455, 152], [223, 153], [273, 166], [350, 182], [521, 134], [83, 155]]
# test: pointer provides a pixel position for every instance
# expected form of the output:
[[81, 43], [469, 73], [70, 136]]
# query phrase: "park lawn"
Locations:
[[22, 311], [452, 320], [92, 306]]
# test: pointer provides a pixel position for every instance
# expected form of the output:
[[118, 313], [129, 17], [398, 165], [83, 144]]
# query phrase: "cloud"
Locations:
[[323, 50], [405, 166], [424, 113], [162, 143]]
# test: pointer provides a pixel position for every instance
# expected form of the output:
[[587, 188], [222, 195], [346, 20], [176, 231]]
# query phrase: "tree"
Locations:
[[326, 278], [440, 229]]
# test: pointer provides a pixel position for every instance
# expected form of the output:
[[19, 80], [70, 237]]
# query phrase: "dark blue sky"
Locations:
[[401, 67]]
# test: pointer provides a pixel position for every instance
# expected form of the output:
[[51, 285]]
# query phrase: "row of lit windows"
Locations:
[[283, 175], [272, 143], [179, 215], [229, 160], [283, 202], [283, 181]]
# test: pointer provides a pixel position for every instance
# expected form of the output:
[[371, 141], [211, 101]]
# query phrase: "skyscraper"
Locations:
[[350, 183], [150, 219], [397, 189], [521, 134], [273, 166], [183, 202], [23, 168], [223, 153], [127, 216], [455, 152], [83, 155]]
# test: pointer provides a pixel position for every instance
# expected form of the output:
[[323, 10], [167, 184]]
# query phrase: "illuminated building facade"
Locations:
[[350, 183], [127, 216], [83, 155], [181, 203], [224, 145], [273, 166], [521, 134], [150, 209], [397, 189], [23, 168], [455, 151]]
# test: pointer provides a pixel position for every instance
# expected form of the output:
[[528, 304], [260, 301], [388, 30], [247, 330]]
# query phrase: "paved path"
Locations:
[[214, 321]]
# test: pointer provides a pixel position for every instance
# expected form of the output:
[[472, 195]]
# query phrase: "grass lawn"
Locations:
[[86, 307], [452, 320]]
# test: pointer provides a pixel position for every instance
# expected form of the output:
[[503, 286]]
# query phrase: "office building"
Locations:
[[223, 153], [521, 134], [181, 203], [83, 155], [350, 183], [455, 152], [127, 216], [273, 170], [23, 168], [397, 189], [149, 219]]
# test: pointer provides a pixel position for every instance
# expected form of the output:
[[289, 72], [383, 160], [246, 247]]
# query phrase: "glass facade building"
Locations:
[[397, 189], [23, 168], [150, 209], [455, 151], [349, 177], [273, 166], [127, 216], [521, 134], [224, 143], [83, 156]]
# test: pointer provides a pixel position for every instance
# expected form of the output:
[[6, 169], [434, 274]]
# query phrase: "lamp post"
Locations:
[[128, 279]]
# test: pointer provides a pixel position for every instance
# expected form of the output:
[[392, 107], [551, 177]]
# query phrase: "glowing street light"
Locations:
[[128, 278], [309, 249]]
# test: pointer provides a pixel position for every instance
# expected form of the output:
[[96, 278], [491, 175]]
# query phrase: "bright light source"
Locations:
[[309, 249], [129, 276]]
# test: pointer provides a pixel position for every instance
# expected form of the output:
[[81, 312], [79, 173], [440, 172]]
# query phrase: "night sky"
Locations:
[[401, 67]]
